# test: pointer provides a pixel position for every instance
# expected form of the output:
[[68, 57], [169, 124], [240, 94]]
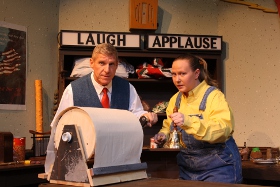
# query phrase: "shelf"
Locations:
[[71, 78], [152, 91], [161, 114], [160, 149], [131, 79], [165, 80]]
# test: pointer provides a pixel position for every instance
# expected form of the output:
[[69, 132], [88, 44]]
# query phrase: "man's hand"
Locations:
[[152, 118]]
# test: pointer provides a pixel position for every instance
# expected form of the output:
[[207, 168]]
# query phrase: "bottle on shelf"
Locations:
[[268, 153], [244, 152]]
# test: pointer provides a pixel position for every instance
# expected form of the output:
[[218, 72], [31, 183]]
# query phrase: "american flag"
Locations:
[[9, 62]]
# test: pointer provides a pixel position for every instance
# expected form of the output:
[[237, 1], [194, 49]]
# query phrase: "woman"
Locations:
[[205, 122]]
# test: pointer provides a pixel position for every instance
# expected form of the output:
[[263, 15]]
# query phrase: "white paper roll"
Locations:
[[113, 137]]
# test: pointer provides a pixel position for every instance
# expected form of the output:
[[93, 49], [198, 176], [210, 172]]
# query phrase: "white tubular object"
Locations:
[[111, 136]]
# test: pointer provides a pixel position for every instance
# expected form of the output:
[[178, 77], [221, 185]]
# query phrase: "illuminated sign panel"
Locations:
[[91, 39], [185, 42]]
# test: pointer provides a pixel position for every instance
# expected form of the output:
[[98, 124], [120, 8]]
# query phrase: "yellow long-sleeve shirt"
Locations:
[[217, 124]]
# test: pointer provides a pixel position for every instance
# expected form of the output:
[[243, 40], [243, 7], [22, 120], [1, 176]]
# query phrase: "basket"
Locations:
[[40, 142]]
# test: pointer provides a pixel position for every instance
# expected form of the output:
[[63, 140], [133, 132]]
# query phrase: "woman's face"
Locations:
[[184, 78]]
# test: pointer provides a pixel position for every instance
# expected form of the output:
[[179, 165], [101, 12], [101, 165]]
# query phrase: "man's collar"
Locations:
[[99, 87]]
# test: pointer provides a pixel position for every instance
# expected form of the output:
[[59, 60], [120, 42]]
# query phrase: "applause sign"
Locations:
[[187, 42]]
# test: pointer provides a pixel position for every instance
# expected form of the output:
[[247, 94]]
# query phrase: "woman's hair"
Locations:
[[197, 62], [105, 49]]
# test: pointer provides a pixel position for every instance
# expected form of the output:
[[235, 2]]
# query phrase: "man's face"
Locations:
[[184, 78], [104, 68]]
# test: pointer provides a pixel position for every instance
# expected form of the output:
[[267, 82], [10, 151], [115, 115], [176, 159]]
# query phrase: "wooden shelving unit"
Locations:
[[150, 90]]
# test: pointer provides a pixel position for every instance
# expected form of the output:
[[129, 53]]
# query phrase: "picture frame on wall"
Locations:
[[12, 66]]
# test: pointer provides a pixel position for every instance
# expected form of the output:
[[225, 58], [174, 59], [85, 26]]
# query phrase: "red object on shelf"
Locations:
[[19, 148]]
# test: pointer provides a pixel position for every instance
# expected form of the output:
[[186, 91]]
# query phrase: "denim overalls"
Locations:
[[202, 161]]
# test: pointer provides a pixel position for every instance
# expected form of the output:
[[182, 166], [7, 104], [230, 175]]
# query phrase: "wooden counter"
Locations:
[[21, 174], [162, 164], [261, 171], [157, 182], [264, 174]]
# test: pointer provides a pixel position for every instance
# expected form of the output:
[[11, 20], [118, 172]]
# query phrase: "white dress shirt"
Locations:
[[135, 106]]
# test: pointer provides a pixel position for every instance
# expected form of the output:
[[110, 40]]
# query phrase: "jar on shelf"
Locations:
[[268, 153], [256, 153]]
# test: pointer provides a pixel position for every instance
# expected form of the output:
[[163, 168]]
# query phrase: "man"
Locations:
[[88, 91]]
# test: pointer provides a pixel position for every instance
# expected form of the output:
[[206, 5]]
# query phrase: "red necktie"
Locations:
[[105, 98]]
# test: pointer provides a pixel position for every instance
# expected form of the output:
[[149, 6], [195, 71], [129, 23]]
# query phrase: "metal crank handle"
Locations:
[[144, 120]]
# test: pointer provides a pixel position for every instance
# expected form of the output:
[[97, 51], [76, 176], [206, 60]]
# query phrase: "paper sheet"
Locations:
[[114, 137]]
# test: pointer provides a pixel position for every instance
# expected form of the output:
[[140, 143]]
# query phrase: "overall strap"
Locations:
[[202, 105], [178, 100], [177, 104]]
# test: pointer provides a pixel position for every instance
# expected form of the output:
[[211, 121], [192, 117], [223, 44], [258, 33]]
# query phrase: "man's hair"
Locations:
[[105, 49]]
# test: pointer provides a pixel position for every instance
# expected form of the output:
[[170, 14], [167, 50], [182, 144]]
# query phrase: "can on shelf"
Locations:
[[153, 145], [19, 148]]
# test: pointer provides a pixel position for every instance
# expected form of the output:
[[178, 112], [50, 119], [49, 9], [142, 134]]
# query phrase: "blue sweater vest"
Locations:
[[84, 93]]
